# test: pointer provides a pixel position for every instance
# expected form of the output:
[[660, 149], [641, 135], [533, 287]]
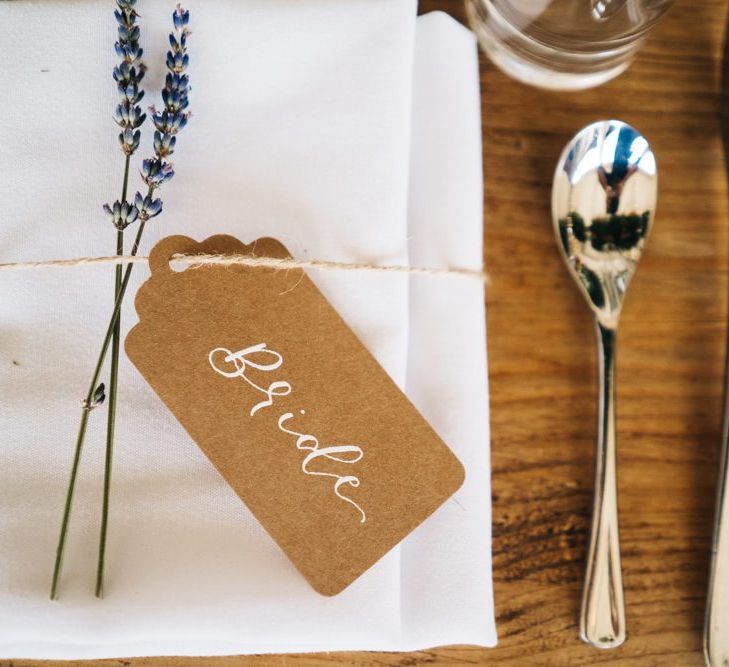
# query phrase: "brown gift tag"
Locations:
[[293, 411]]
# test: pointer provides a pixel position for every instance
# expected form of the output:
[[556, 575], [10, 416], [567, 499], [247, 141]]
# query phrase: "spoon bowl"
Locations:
[[603, 201]]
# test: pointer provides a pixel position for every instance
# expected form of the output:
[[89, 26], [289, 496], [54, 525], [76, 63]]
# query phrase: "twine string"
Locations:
[[278, 263]]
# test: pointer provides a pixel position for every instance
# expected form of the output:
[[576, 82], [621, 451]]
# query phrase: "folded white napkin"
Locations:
[[338, 128]]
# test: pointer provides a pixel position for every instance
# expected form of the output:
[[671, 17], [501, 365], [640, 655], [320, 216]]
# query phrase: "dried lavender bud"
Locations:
[[147, 206], [155, 172], [122, 214], [96, 400], [180, 18]]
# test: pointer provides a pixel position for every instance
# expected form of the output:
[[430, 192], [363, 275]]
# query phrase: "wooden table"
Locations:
[[542, 367]]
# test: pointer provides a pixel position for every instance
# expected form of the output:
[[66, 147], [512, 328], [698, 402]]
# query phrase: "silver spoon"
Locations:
[[603, 201]]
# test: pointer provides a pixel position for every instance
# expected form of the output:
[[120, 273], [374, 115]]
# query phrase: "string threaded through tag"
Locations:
[[281, 264]]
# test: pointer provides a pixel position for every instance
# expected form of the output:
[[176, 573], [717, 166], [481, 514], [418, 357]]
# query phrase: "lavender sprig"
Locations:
[[155, 171], [129, 116]]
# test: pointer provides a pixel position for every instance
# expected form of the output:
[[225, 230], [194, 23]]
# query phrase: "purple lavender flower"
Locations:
[[128, 115], [155, 172], [168, 122], [181, 18], [129, 140], [164, 144], [128, 76], [148, 206], [122, 214]]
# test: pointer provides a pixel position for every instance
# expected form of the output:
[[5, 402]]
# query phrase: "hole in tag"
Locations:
[[177, 264]]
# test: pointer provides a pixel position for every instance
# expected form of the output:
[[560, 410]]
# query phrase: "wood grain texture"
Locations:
[[542, 367]]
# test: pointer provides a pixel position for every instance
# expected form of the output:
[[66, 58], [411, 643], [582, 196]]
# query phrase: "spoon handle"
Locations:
[[602, 617], [716, 623]]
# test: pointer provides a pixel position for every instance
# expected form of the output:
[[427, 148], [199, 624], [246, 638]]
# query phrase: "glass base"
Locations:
[[541, 77], [537, 64]]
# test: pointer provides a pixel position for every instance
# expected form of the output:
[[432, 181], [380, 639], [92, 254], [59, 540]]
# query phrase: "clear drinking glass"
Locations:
[[563, 44]]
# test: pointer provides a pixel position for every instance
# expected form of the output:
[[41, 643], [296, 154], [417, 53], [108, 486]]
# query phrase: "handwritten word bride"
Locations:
[[241, 361]]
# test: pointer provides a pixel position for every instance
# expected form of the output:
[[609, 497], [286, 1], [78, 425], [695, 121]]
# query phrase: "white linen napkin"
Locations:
[[301, 130], [444, 590]]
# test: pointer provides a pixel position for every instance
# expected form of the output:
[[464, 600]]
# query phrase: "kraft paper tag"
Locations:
[[288, 405]]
